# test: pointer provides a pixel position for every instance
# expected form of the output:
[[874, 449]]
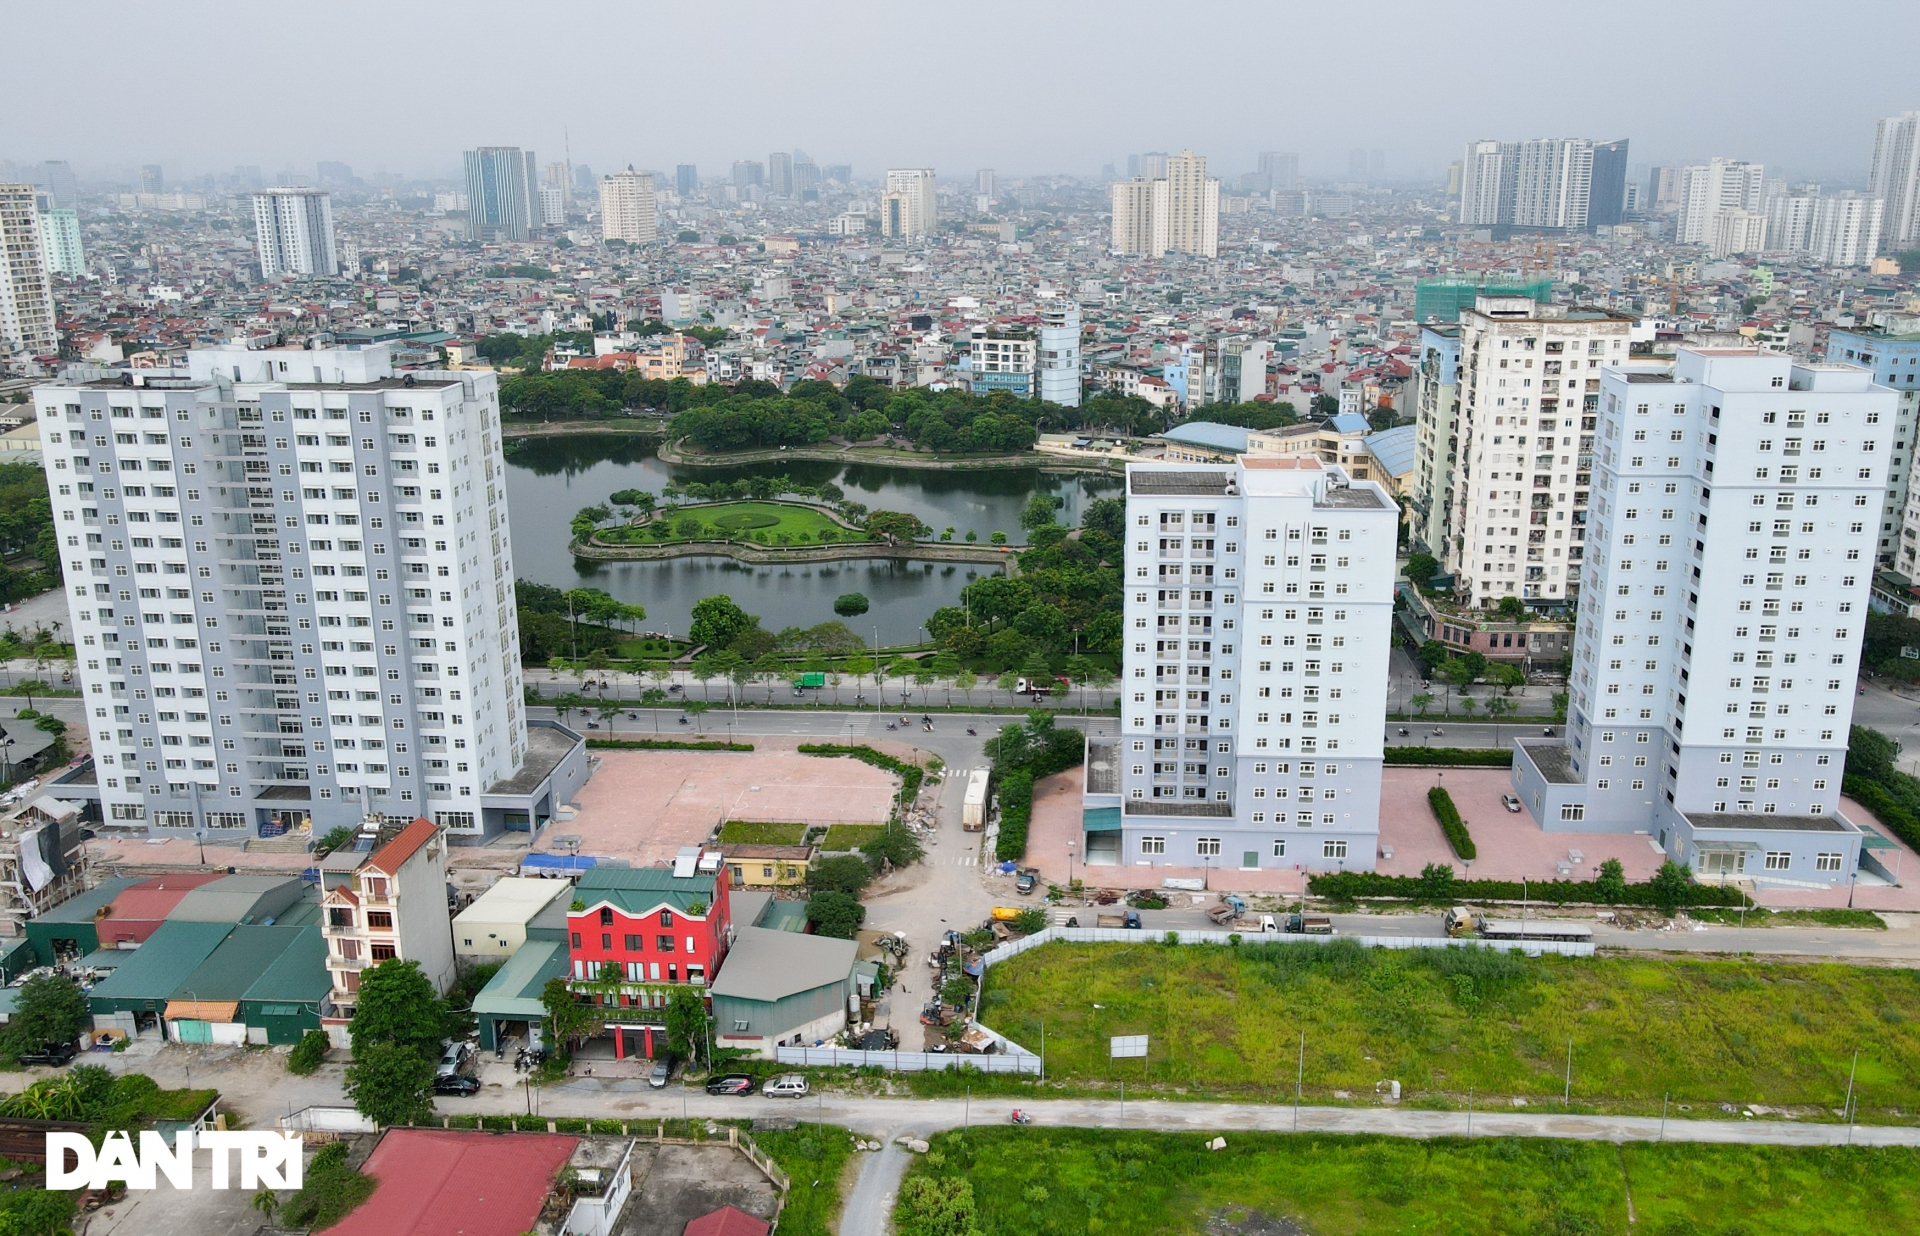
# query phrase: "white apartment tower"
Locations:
[[1714, 186], [291, 590], [1193, 206], [1542, 183], [1895, 177], [26, 294], [1139, 217], [627, 209], [1731, 553], [60, 250], [907, 206], [1059, 352], [293, 233], [1258, 604], [1528, 395]]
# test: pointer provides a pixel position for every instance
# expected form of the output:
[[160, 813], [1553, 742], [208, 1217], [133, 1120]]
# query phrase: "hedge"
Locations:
[[1016, 813], [1451, 824], [910, 774], [667, 744], [1885, 807], [1450, 757], [1353, 885]]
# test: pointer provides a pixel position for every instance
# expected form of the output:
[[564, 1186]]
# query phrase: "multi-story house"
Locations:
[[385, 899], [1718, 637], [1002, 358], [652, 925], [1529, 386], [1259, 598], [291, 592]]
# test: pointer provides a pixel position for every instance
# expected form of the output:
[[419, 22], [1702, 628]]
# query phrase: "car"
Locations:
[[731, 1083], [457, 1084], [785, 1086], [55, 1054], [1024, 883], [1133, 920], [662, 1071], [453, 1059], [1510, 802]]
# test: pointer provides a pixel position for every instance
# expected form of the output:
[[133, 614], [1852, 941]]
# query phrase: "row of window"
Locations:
[[1209, 847]]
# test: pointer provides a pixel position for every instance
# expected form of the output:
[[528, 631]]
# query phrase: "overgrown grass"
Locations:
[[851, 836], [761, 832], [1026, 1181], [766, 523], [329, 1192], [814, 1156], [1226, 1021], [1757, 917]]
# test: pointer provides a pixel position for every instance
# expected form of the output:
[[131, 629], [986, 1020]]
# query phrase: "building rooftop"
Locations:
[[1554, 761], [1154, 482], [1733, 821], [452, 1182], [1394, 448], [1210, 435], [1103, 766], [770, 965], [1350, 498], [394, 854], [513, 899], [547, 745], [639, 889]]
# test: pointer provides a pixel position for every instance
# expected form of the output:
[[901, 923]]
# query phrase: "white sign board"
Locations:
[[1122, 1046]]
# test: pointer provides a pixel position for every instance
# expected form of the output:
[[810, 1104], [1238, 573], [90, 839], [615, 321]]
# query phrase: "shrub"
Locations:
[[667, 744], [1449, 757], [1352, 885], [1451, 824], [1016, 813], [308, 1053], [845, 873], [1031, 921]]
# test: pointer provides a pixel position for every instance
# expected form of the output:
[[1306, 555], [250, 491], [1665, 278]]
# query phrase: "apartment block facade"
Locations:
[[291, 589], [1529, 393], [908, 207], [1730, 559], [26, 293], [293, 233], [627, 208], [1258, 603], [1891, 353], [1436, 410]]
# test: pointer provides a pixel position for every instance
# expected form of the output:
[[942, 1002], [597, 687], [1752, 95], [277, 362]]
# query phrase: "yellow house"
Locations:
[[768, 866]]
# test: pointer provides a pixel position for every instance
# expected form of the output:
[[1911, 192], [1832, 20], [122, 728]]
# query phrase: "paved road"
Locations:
[[1895, 714], [894, 692]]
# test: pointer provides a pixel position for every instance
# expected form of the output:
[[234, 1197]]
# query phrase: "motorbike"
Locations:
[[892, 726], [633, 716], [1404, 731], [1438, 731], [1020, 1117], [683, 721], [970, 732]]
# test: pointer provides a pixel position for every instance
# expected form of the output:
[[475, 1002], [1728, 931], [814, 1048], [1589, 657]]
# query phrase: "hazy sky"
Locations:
[[1025, 87]]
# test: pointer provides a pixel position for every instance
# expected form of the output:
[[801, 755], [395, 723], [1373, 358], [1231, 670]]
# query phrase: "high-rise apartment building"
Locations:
[[686, 179], [57, 178], [559, 176], [503, 194], [748, 172], [985, 183], [1139, 217], [1845, 229], [1258, 604], [1718, 637], [151, 179], [627, 208], [780, 174], [1890, 351], [1059, 353], [1663, 190], [1895, 177], [26, 294], [1732, 231], [553, 205], [806, 179], [1607, 201], [907, 206], [1282, 170], [1152, 165], [1544, 184], [291, 592], [1528, 395], [293, 233], [60, 249], [334, 173], [1709, 188], [1193, 206], [1436, 409], [1002, 358]]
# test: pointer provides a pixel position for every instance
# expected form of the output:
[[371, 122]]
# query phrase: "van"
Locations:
[[1267, 925], [453, 1059], [785, 1086]]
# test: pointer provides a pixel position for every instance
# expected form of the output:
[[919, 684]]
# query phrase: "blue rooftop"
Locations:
[[1207, 434], [1349, 422], [1394, 448]]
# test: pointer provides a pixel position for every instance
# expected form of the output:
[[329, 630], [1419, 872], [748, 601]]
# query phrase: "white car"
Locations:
[[1510, 802], [785, 1086]]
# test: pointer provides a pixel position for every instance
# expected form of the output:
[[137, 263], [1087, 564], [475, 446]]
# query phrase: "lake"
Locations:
[[548, 479]]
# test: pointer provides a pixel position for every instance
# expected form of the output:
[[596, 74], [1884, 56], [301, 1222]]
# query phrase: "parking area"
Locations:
[[642, 806], [680, 1183]]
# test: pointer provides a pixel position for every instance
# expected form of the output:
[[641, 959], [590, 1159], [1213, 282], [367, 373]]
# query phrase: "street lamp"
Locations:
[[1069, 864]]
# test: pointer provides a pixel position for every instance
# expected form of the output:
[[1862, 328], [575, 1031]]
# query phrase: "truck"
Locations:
[[1459, 921], [1130, 920], [1556, 929], [1309, 924], [805, 682], [973, 812], [1229, 909]]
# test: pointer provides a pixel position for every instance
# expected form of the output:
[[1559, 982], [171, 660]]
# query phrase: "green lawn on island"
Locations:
[[763, 523], [1228, 1020], [1053, 1181]]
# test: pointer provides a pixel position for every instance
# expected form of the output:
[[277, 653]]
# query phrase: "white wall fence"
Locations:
[[326, 1120], [1014, 1061], [1121, 935]]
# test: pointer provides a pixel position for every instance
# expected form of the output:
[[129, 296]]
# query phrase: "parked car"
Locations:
[[1024, 883], [454, 1059], [1510, 802], [662, 1072], [456, 1084], [731, 1083], [785, 1086], [55, 1054]]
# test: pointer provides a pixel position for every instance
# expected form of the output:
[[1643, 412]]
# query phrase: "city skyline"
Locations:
[[1704, 106]]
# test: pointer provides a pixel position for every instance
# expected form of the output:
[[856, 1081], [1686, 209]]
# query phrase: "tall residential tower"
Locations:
[[293, 233]]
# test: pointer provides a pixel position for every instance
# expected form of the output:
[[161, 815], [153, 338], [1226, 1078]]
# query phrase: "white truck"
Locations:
[[973, 811]]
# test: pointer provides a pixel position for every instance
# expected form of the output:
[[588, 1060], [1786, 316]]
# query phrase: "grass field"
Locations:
[[758, 832], [768, 523], [815, 1158], [1032, 1182], [851, 836], [1866, 919], [1228, 1021]]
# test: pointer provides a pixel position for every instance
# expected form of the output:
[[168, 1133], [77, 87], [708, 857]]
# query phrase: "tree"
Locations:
[[939, 1206], [1421, 568], [896, 526], [687, 1023], [717, 621], [1436, 882], [1669, 885], [769, 669], [308, 1054], [1009, 682], [568, 1020], [1512, 608], [390, 1083], [1506, 677], [1497, 707], [1433, 654], [850, 604], [1422, 701], [50, 1009], [397, 1005], [945, 666], [844, 873], [696, 709], [1039, 512], [835, 914], [1611, 884]]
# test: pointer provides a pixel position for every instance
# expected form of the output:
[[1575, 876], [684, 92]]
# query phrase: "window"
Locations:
[[1207, 847], [1573, 811], [1153, 845], [1279, 847], [1826, 862], [633, 944], [665, 943], [1334, 848], [1779, 860]]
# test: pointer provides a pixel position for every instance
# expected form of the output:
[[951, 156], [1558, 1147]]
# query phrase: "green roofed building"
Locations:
[[1442, 299], [509, 1005]]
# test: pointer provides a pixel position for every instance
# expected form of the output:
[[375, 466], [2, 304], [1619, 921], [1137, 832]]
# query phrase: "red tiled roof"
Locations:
[[726, 1221], [393, 855], [450, 1182]]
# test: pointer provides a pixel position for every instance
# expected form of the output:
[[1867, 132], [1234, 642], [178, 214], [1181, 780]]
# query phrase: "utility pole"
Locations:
[[1850, 1075], [1566, 1100], [1299, 1079]]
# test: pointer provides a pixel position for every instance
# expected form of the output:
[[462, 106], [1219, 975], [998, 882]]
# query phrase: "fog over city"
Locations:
[[202, 85]]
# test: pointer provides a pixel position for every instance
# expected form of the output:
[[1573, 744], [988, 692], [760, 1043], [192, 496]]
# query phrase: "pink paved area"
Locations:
[[644, 805], [182, 853], [1510, 844], [1902, 897]]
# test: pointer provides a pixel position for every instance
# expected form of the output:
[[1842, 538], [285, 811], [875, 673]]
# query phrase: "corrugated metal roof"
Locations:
[[298, 974], [83, 908], [1394, 448], [514, 990], [239, 962], [639, 889], [1208, 434], [771, 965], [449, 1182], [155, 970]]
